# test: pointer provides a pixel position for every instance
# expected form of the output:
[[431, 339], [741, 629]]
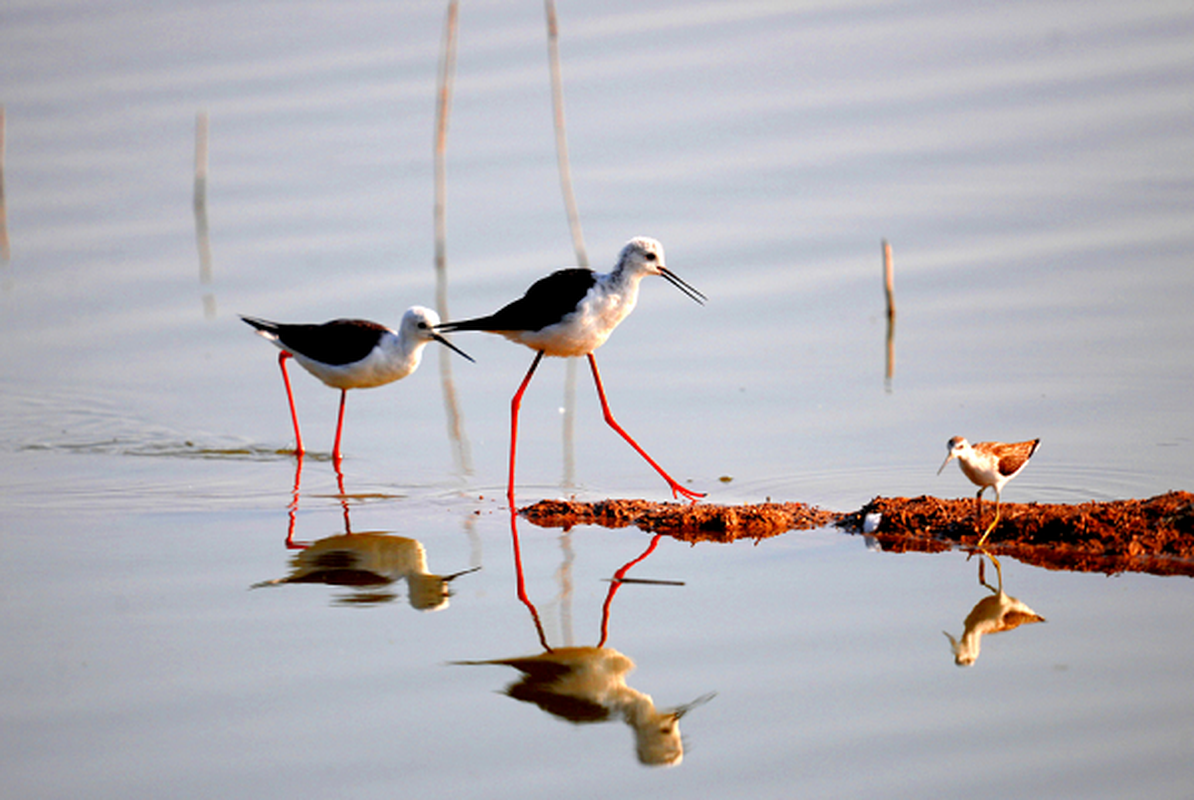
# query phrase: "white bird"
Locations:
[[352, 354], [571, 312], [989, 464]]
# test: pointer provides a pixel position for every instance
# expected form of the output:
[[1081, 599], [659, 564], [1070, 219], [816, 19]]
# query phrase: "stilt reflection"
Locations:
[[367, 562], [996, 614], [588, 684]]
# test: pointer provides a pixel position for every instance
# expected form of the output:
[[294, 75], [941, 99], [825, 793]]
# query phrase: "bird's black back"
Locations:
[[547, 301], [341, 341]]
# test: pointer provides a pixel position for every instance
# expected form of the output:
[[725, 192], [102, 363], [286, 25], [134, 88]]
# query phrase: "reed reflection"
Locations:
[[199, 201], [368, 562], [889, 293], [5, 253], [996, 614], [588, 684]]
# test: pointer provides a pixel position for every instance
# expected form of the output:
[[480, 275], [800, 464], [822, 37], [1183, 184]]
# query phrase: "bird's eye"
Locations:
[[423, 326], [650, 256]]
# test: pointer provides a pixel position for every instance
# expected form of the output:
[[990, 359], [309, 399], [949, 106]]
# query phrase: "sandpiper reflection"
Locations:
[[367, 562], [588, 684], [996, 614]]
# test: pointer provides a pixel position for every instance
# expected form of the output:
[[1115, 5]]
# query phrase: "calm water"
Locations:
[[1033, 169]]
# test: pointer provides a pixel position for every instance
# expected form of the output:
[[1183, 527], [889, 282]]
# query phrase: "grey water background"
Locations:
[[1031, 165]]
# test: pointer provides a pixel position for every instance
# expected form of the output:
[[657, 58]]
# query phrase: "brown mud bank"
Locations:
[[1154, 535], [690, 523]]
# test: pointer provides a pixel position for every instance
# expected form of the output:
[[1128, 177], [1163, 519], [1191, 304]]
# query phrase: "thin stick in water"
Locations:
[[443, 104], [570, 208]]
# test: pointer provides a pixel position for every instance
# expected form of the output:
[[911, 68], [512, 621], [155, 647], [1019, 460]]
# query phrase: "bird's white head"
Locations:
[[643, 255], [419, 322], [956, 447], [418, 327]]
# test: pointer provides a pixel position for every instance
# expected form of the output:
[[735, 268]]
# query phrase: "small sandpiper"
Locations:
[[989, 464]]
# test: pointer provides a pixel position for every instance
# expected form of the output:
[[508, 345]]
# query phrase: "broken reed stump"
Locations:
[[1154, 535]]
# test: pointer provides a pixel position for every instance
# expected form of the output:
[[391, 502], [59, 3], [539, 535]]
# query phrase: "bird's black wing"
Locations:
[[341, 341], [547, 301]]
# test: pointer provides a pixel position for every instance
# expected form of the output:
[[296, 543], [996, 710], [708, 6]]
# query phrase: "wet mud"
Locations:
[[684, 521], [1155, 535]]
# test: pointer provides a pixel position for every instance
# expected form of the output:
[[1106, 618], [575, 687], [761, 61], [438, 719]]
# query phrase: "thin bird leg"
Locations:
[[339, 427], [292, 510], [616, 584], [515, 404], [978, 509], [521, 581], [676, 488], [994, 522], [298, 437], [982, 579], [343, 494]]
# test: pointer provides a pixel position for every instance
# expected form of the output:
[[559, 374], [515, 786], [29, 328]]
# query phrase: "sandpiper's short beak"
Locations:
[[674, 280], [451, 346], [948, 458], [700, 701]]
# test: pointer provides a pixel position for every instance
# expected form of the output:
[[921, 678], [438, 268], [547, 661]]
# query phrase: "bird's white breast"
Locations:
[[584, 330], [386, 363]]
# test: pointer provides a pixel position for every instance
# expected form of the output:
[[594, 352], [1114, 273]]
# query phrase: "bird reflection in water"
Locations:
[[588, 684], [368, 562], [996, 614]]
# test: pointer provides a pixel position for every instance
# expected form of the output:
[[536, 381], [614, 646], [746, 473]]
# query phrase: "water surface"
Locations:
[[1032, 169]]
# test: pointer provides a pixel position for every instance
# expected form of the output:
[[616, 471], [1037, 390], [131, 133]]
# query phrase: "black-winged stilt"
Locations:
[[989, 464], [352, 354], [571, 312]]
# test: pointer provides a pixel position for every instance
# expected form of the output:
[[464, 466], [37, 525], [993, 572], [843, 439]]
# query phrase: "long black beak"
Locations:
[[451, 346], [674, 280], [455, 575]]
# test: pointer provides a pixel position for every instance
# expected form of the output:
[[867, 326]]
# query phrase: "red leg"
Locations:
[[343, 495], [298, 437], [339, 428], [515, 404], [293, 510], [676, 488], [616, 584], [521, 580]]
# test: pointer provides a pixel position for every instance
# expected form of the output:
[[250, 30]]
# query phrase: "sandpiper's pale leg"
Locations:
[[994, 522], [998, 572]]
